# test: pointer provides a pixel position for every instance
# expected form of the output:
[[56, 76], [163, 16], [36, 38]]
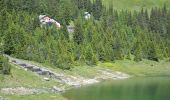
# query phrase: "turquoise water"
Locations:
[[148, 88]]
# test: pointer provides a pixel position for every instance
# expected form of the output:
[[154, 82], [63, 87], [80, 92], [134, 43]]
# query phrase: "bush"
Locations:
[[4, 65]]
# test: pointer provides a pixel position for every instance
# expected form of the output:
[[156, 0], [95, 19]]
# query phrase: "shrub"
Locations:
[[4, 65]]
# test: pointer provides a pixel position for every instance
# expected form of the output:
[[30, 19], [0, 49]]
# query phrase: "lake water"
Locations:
[[148, 88]]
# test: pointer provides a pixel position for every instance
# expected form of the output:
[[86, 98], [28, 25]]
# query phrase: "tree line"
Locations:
[[107, 36]]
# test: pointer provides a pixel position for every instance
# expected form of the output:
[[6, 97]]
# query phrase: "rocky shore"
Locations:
[[70, 80]]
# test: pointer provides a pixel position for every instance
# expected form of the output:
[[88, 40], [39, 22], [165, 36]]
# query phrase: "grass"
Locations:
[[78, 70], [136, 4], [21, 78], [143, 68], [47, 96]]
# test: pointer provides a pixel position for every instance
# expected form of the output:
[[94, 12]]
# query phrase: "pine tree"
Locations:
[[97, 9], [78, 34], [137, 52]]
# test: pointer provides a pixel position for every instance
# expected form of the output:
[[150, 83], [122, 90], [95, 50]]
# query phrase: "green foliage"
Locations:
[[78, 34], [4, 65], [137, 52], [135, 4], [107, 36]]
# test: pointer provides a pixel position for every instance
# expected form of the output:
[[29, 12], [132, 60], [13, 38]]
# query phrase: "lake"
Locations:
[[146, 88]]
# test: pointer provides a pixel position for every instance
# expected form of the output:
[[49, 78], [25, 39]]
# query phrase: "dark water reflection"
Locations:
[[150, 88]]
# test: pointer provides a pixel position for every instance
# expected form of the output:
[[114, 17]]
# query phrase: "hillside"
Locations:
[[108, 35], [136, 4], [103, 43]]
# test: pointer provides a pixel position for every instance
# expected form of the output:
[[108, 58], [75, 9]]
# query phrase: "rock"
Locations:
[[23, 65], [74, 81], [52, 75], [90, 81], [46, 79], [58, 89], [59, 79], [14, 61], [44, 72], [39, 72], [1, 98], [47, 73], [29, 67], [17, 62], [36, 69]]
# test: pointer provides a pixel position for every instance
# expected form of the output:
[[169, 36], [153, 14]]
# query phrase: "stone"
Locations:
[[52, 75], [1, 98], [60, 78], [58, 89], [36, 69], [14, 61], [40, 72], [23, 65], [44, 72], [46, 79], [29, 67]]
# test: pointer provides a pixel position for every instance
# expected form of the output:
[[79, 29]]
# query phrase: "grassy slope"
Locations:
[[81, 69], [136, 4], [34, 97], [21, 78], [143, 68]]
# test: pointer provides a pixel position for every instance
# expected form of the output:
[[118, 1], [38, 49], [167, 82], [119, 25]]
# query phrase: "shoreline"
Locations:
[[67, 81]]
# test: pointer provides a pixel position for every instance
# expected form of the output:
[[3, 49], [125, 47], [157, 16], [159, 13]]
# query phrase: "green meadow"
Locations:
[[136, 4]]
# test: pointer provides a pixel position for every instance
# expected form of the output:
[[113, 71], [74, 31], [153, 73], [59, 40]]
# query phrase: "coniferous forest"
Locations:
[[108, 35]]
